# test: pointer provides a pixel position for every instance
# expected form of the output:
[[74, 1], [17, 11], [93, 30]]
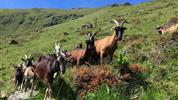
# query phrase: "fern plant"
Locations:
[[123, 59]]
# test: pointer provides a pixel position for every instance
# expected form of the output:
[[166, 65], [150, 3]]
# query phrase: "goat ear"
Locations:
[[86, 42], [158, 27], [65, 51], [112, 28], [26, 56], [31, 58], [55, 44], [15, 66], [22, 59]]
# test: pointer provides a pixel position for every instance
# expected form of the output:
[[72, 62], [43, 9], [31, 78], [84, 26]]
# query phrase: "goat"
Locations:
[[27, 61], [169, 27], [18, 77], [48, 67], [80, 55], [108, 45], [29, 75]]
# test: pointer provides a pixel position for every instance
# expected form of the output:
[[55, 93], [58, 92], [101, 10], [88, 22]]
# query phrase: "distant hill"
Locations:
[[25, 20]]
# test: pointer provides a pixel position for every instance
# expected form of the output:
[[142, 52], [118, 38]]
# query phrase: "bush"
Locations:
[[89, 79]]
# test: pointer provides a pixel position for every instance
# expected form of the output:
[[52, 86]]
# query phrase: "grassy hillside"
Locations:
[[27, 20], [143, 44]]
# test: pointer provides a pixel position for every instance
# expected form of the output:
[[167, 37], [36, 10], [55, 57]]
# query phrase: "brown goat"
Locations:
[[48, 67], [170, 27], [108, 45], [78, 56]]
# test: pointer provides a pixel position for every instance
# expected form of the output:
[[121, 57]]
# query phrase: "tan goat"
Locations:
[[82, 55], [28, 76], [169, 27], [108, 45]]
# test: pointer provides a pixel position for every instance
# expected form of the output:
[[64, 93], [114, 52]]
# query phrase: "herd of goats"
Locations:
[[48, 67]]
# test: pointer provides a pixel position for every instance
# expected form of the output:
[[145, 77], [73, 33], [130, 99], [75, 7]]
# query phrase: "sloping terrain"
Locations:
[[142, 43], [27, 20]]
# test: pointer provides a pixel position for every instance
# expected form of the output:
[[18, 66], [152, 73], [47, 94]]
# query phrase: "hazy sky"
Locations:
[[64, 4]]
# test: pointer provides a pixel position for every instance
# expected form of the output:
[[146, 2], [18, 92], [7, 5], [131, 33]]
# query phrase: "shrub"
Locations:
[[89, 79]]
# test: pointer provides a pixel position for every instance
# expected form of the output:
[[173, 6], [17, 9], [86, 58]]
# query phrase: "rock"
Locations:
[[63, 40], [21, 95], [3, 95], [13, 42], [65, 33], [87, 26]]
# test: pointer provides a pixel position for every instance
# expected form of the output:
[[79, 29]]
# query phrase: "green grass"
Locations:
[[28, 20], [104, 92], [139, 40]]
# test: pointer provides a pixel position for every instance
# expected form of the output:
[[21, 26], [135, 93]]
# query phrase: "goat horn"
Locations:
[[123, 23], [94, 34], [116, 22], [26, 56], [55, 44], [30, 56]]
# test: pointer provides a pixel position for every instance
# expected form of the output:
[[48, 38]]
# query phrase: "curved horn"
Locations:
[[26, 56], [123, 23], [55, 44], [31, 56], [94, 34], [116, 22]]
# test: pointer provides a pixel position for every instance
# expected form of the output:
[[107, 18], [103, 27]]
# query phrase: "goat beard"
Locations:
[[119, 38]]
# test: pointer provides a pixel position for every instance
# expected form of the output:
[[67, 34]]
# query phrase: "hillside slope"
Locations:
[[141, 41], [28, 20]]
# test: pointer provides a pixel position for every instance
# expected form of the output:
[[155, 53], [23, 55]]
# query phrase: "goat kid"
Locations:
[[18, 77], [28, 69]]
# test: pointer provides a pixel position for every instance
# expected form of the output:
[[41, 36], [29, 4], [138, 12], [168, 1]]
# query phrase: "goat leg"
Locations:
[[26, 84], [32, 87], [78, 62], [50, 93], [46, 92], [22, 85], [101, 58], [15, 86]]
